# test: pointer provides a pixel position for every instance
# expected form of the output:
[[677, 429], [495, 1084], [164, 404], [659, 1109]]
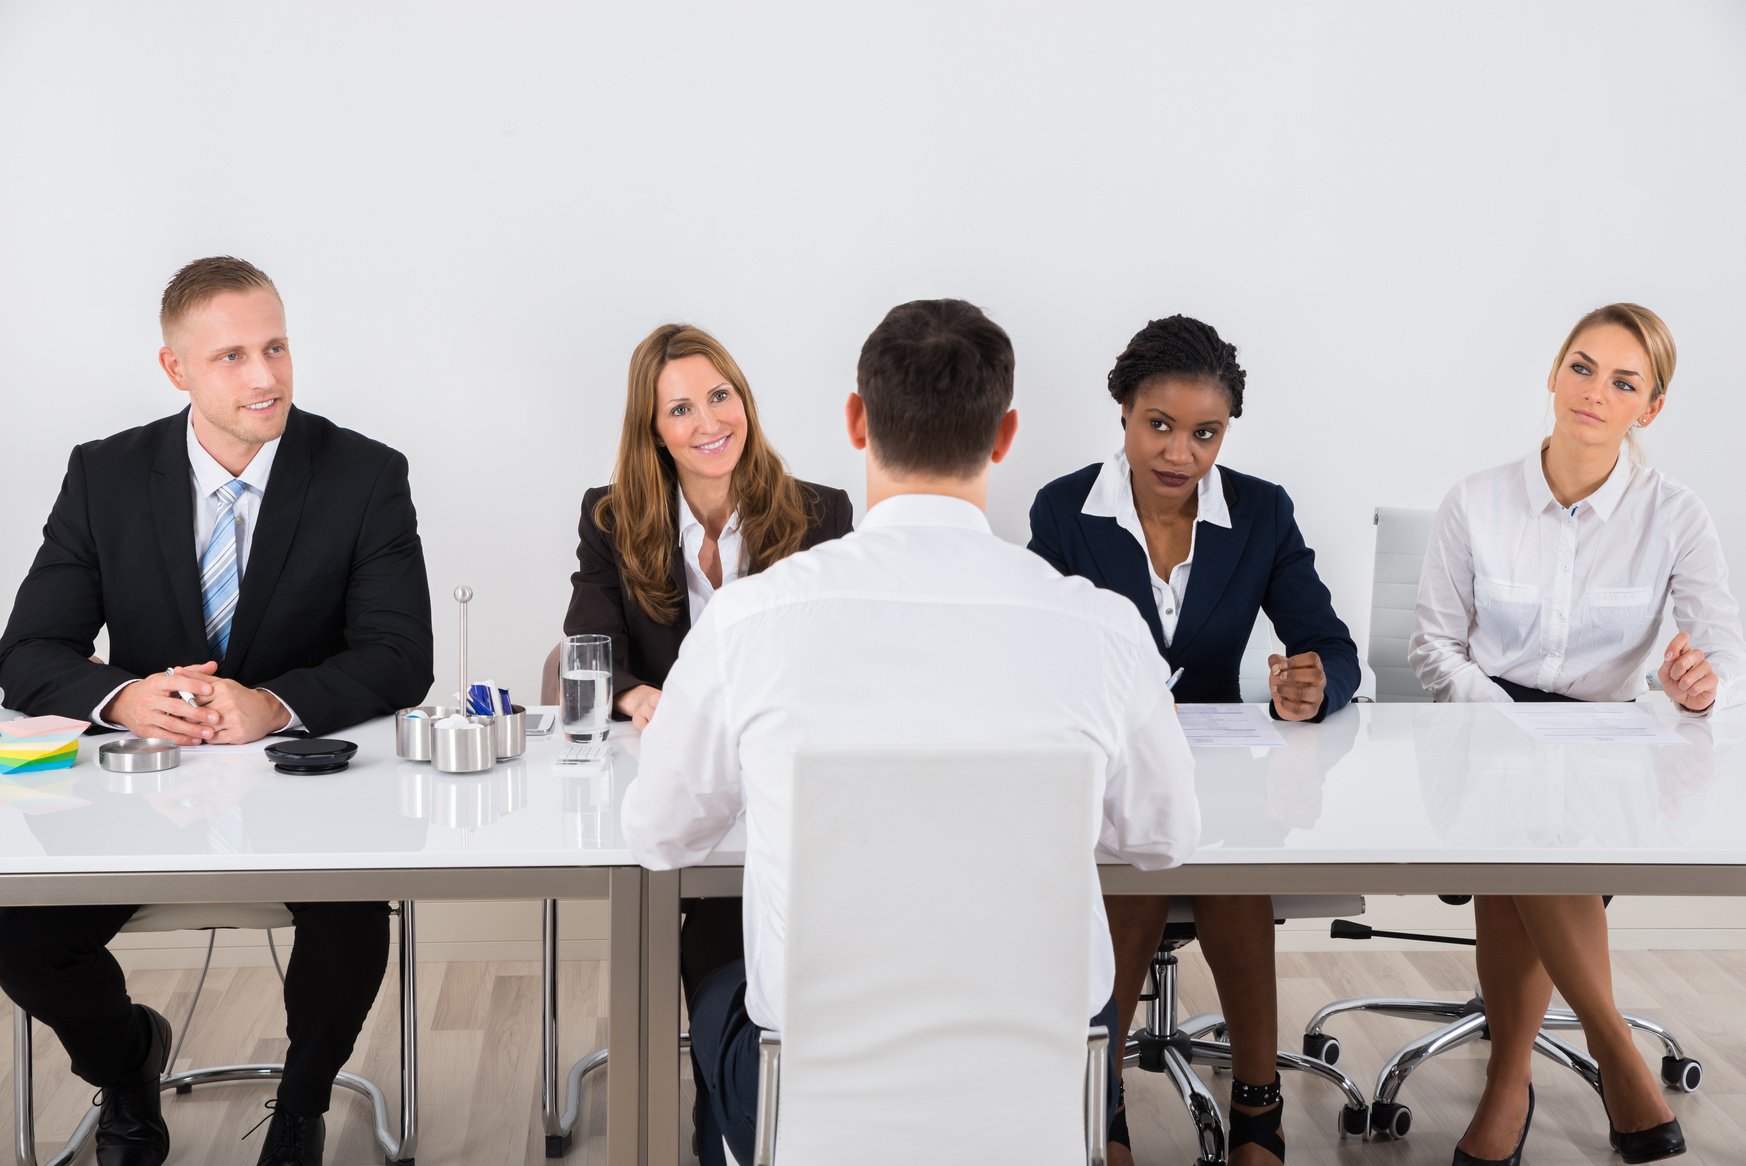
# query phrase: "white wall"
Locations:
[[475, 211]]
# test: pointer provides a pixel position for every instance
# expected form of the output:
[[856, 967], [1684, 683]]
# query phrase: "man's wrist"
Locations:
[[289, 718]]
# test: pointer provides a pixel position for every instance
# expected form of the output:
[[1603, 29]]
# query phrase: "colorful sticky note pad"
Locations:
[[34, 744]]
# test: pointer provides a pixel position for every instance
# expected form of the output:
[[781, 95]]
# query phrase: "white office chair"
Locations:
[[397, 1149], [1401, 538], [937, 921]]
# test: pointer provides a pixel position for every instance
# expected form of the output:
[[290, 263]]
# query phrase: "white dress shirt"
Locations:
[[698, 588], [206, 477], [1570, 600], [922, 628], [1112, 496]]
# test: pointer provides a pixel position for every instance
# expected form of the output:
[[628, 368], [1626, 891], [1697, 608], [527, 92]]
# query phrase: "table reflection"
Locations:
[[1486, 783], [1258, 797]]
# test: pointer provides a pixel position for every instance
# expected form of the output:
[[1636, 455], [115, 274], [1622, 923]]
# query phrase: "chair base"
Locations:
[[1464, 1022], [396, 1150], [1167, 1047]]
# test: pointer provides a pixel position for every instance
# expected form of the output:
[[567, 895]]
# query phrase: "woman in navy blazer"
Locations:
[[1202, 551]]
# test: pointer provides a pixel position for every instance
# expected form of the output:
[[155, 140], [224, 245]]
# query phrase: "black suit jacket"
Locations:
[[643, 651], [1259, 564], [334, 611]]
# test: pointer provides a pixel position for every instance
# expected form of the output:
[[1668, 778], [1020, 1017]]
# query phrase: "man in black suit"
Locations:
[[267, 563]]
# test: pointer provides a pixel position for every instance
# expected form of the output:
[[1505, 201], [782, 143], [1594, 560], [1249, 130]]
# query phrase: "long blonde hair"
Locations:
[[640, 513]]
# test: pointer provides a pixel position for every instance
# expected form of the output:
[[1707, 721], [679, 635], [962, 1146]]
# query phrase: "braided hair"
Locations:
[[1178, 346]]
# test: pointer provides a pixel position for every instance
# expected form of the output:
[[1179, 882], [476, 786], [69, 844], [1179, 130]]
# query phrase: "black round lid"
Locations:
[[312, 756]]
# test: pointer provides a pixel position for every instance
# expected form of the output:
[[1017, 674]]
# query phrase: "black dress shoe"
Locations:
[[1666, 1140], [1463, 1158], [130, 1126], [292, 1140]]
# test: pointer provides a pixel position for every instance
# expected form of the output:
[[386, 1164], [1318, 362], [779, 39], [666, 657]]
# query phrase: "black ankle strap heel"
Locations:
[[1259, 1129]]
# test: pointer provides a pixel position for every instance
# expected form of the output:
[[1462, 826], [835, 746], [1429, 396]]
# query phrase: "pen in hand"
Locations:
[[185, 695]]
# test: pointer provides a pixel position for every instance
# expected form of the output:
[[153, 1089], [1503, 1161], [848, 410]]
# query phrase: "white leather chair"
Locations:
[[938, 962], [398, 1148], [1401, 538]]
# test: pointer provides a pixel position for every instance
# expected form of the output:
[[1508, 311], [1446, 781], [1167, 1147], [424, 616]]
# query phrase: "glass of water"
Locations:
[[585, 673]]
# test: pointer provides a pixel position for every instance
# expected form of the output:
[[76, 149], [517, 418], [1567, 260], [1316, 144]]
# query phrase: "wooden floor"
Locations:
[[479, 1028]]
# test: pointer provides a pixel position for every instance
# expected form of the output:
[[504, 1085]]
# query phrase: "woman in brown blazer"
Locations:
[[698, 499]]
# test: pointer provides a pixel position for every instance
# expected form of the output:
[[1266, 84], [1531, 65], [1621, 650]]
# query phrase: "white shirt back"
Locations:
[[1570, 600], [919, 628]]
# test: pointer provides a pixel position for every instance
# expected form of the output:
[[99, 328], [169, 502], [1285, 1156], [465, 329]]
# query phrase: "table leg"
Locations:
[[661, 1012], [625, 1134]]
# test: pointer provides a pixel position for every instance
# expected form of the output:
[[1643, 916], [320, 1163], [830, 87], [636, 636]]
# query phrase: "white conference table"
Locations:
[[1380, 798], [225, 827]]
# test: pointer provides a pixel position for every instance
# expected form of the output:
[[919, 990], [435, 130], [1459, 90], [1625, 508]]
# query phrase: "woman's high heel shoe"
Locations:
[[1463, 1158], [1666, 1140]]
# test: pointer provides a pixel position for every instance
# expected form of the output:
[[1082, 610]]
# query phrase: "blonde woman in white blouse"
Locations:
[[1546, 579]]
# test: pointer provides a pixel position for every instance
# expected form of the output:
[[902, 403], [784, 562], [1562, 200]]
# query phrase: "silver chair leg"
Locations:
[[1097, 1096], [273, 950], [1404, 1007], [23, 1089], [1569, 1057], [1209, 1123], [769, 1088], [180, 1037], [1400, 1066]]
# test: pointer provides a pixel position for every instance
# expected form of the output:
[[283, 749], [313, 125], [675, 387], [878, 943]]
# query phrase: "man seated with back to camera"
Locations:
[[267, 563], [952, 633]]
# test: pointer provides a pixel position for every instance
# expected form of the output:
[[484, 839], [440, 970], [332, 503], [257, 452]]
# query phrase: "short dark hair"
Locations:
[[1178, 346], [205, 279], [936, 378]]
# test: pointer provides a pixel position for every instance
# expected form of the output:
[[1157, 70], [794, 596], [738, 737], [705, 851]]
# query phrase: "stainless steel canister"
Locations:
[[412, 736], [511, 733], [468, 748]]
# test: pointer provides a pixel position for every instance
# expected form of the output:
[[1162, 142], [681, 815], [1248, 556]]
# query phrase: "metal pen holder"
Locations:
[[469, 748], [510, 733], [412, 730]]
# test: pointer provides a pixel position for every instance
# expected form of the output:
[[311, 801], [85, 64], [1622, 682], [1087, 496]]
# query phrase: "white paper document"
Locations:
[[1581, 723], [1228, 726]]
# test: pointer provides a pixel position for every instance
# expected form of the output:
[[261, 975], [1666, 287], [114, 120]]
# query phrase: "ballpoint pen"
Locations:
[[187, 696], [1174, 677]]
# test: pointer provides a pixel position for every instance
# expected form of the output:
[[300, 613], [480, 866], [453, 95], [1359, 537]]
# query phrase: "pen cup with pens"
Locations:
[[483, 729]]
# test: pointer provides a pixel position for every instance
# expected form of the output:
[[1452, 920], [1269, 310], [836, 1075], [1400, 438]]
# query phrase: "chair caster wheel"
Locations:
[[1319, 1046], [1681, 1073], [1354, 1121], [1389, 1121]]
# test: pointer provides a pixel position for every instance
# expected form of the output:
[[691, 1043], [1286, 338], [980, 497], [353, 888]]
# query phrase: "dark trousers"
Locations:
[[724, 1040], [56, 965]]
